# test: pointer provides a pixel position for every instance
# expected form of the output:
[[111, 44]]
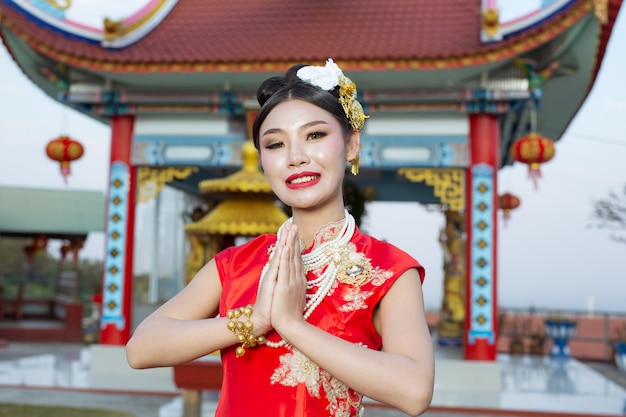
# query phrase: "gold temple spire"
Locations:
[[248, 180]]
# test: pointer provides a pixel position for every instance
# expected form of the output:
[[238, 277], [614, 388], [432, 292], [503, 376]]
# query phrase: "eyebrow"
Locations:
[[303, 127]]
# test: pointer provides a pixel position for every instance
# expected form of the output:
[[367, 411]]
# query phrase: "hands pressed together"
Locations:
[[282, 292]]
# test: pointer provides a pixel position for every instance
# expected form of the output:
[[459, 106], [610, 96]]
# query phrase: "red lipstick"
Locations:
[[303, 180]]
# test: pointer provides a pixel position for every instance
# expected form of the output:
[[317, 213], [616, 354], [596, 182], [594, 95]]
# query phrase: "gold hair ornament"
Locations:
[[327, 78], [243, 330], [351, 106]]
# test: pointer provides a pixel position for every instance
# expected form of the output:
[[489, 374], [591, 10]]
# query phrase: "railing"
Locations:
[[592, 341]]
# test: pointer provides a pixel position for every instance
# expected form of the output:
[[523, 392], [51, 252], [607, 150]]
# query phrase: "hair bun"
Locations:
[[270, 86]]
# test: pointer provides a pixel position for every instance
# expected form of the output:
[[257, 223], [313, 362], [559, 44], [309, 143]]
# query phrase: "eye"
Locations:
[[316, 135], [274, 145]]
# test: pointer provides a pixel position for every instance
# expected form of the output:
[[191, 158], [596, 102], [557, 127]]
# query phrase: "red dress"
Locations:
[[282, 382]]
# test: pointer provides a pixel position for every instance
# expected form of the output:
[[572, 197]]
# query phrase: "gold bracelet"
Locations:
[[243, 330]]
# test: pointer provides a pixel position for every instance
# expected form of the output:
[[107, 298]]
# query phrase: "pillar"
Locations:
[[115, 325], [481, 210]]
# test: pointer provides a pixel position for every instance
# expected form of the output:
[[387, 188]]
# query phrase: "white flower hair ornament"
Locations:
[[327, 78]]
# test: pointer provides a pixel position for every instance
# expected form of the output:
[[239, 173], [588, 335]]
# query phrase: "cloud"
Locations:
[[613, 104], [14, 125]]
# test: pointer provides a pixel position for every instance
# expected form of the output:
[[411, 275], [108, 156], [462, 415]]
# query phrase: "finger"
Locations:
[[298, 267], [296, 258], [269, 279], [281, 267], [285, 233]]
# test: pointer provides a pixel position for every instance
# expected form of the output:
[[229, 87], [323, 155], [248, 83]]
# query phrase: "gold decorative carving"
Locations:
[[491, 22], [453, 240], [151, 180], [448, 183], [601, 10], [63, 5], [113, 29]]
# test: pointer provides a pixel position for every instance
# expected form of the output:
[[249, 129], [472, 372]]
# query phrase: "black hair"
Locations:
[[276, 90]]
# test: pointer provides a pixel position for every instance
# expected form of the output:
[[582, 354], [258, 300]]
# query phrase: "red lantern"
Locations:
[[533, 150], [65, 150], [508, 202]]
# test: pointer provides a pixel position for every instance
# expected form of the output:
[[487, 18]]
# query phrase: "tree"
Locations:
[[40, 274], [15, 267], [610, 213]]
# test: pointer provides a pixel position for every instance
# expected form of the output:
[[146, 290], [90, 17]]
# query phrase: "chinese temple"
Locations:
[[455, 91]]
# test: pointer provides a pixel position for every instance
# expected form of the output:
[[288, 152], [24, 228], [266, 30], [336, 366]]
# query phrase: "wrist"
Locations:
[[288, 329], [261, 323], [240, 323]]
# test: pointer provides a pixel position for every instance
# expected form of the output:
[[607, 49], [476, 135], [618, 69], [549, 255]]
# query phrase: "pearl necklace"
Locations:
[[326, 256]]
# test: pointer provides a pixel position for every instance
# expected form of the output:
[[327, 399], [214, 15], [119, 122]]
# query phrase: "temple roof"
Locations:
[[247, 215], [205, 56], [59, 214], [260, 34]]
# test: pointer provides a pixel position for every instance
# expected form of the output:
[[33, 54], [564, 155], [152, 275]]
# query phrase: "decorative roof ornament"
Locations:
[[112, 33], [248, 180], [54, 3], [113, 29], [490, 21], [601, 10], [124, 32], [491, 25]]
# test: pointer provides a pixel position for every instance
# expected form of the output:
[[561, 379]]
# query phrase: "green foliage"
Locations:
[[15, 268], [39, 276]]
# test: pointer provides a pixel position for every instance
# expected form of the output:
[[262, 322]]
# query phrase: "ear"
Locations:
[[353, 146]]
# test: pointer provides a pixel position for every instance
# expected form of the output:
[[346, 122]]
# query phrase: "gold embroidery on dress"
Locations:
[[379, 276], [296, 369], [354, 267], [342, 401], [355, 299]]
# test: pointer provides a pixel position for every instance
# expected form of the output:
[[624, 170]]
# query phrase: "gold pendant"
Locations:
[[354, 269]]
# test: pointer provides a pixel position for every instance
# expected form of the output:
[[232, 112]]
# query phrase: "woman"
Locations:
[[319, 315]]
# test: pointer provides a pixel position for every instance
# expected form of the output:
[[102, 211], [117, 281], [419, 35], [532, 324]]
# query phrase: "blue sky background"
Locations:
[[549, 256]]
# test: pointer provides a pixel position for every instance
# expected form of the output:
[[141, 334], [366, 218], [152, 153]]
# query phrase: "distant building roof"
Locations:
[[59, 214]]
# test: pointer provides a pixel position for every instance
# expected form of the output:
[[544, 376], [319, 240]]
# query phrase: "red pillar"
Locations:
[[116, 320], [481, 210]]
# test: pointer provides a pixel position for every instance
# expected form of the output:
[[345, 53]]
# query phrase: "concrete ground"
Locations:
[[142, 404], [148, 405]]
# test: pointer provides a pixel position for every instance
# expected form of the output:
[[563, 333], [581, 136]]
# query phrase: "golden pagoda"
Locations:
[[249, 209]]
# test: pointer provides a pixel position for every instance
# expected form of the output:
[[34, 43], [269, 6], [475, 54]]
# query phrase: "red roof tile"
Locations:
[[262, 31]]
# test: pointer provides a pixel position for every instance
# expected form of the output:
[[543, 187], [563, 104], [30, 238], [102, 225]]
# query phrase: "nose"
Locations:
[[297, 155]]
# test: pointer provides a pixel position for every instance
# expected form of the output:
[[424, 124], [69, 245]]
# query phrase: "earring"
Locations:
[[354, 165]]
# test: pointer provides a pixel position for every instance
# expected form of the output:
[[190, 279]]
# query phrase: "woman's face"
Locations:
[[304, 154]]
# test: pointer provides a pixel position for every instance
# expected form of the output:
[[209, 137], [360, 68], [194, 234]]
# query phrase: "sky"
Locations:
[[548, 255]]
